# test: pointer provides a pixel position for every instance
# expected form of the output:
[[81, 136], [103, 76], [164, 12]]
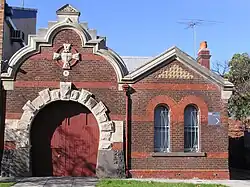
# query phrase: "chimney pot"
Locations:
[[203, 45]]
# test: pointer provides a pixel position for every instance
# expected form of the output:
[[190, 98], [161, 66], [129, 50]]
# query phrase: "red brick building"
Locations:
[[76, 108]]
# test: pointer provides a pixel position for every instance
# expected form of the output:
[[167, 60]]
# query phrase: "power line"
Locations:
[[193, 23]]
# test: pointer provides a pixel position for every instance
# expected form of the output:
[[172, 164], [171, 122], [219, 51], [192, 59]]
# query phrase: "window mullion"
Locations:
[[191, 125], [162, 132]]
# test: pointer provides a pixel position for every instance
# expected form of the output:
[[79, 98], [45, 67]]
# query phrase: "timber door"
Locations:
[[65, 138]]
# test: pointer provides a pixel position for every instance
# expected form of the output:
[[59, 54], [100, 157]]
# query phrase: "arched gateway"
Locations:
[[66, 50], [41, 131]]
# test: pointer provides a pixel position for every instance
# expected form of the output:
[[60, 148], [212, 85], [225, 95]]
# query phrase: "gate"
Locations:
[[65, 138]]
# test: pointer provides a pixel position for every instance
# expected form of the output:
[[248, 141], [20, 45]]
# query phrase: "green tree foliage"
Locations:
[[239, 75]]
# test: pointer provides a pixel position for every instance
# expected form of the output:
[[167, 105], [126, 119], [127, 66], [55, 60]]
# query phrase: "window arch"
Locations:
[[161, 129], [191, 129]]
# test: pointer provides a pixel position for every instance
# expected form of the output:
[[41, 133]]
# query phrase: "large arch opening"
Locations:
[[37, 114], [64, 140]]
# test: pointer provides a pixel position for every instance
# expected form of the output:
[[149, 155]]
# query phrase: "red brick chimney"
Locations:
[[204, 55]]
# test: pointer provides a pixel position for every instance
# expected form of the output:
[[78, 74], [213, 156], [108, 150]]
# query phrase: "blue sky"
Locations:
[[147, 28]]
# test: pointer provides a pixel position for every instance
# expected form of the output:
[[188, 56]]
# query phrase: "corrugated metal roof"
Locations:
[[134, 62]]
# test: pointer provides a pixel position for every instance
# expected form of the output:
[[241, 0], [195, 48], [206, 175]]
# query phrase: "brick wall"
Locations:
[[177, 90], [40, 71], [239, 141]]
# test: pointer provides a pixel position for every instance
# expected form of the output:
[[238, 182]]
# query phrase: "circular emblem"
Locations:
[[66, 56]]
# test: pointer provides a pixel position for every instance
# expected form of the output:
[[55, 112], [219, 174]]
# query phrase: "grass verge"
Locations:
[[6, 184], [130, 183]]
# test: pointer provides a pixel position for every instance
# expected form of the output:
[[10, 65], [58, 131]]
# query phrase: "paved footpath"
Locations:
[[55, 182]]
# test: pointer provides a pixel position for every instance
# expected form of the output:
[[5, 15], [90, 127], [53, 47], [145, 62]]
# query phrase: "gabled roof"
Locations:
[[175, 53]]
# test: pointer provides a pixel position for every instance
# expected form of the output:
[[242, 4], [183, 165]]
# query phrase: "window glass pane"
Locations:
[[191, 129], [161, 132]]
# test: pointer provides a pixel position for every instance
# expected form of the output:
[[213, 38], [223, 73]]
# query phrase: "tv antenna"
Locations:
[[193, 23]]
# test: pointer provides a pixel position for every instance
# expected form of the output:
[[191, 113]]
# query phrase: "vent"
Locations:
[[17, 36]]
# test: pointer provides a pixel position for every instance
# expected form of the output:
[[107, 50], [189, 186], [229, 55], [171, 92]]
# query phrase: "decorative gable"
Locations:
[[174, 72], [66, 55], [67, 9]]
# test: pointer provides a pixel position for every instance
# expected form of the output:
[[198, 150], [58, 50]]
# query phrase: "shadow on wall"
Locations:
[[2, 120]]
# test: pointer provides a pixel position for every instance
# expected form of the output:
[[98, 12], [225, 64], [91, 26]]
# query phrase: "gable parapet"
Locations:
[[68, 18]]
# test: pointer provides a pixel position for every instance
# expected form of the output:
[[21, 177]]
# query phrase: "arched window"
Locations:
[[191, 129], [161, 129]]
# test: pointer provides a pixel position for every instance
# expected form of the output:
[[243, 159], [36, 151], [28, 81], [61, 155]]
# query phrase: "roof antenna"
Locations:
[[193, 23], [23, 3]]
